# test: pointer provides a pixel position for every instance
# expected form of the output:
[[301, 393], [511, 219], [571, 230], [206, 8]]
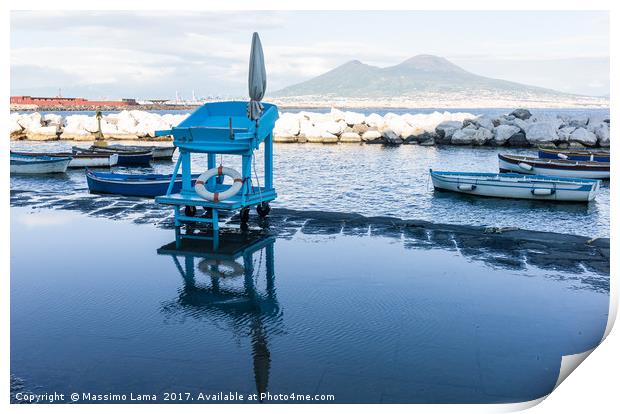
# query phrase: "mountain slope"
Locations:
[[419, 74]]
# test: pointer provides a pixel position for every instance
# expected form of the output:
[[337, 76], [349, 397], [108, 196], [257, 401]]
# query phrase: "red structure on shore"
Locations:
[[48, 101]]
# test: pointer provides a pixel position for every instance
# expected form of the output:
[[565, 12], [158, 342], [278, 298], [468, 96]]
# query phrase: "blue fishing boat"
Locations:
[[556, 167], [38, 164], [136, 185], [574, 155]]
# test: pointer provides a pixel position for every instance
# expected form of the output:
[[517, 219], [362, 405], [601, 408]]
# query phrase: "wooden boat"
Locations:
[[137, 185], [159, 152], [30, 164], [125, 158], [79, 160], [560, 168], [531, 187], [574, 155]]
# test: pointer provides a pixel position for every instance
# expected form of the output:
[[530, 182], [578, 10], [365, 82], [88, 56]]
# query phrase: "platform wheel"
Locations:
[[190, 211], [263, 209], [244, 215]]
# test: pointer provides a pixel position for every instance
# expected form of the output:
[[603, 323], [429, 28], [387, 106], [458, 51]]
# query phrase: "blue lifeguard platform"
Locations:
[[221, 128]]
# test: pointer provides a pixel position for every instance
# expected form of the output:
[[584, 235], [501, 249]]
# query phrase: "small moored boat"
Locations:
[[79, 160], [574, 155], [125, 158], [160, 152], [29, 164], [137, 185], [531, 187], [560, 168]]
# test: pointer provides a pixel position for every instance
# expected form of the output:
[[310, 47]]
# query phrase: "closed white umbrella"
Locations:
[[257, 78]]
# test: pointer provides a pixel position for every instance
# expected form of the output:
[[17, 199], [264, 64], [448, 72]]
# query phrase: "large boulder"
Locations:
[[79, 127], [446, 129], [395, 124], [583, 136], [52, 120], [372, 136], [15, 129], [43, 133], [375, 121], [578, 121], [521, 113], [602, 134], [564, 133], [353, 118], [471, 136], [411, 134], [147, 123], [331, 127], [541, 133], [391, 137], [317, 135], [30, 121], [484, 122], [360, 128], [425, 138], [336, 115], [518, 140], [504, 132], [287, 125], [350, 137]]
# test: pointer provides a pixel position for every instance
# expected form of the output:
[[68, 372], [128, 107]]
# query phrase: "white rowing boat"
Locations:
[[531, 187], [28, 164]]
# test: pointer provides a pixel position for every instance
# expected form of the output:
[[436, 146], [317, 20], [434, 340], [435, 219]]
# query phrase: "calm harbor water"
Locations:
[[110, 307], [376, 181]]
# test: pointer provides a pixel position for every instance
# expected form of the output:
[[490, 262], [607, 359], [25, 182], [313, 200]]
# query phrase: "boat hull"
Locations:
[[133, 185], [81, 160], [159, 152], [94, 162], [127, 159], [600, 156], [38, 165], [517, 186], [558, 168]]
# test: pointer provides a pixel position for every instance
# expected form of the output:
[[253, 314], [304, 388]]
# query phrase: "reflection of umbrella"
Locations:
[[257, 78]]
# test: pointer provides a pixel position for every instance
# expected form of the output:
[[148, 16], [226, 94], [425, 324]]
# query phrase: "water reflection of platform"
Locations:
[[247, 310]]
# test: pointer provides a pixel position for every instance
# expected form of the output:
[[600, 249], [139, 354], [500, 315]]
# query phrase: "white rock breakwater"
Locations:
[[518, 129]]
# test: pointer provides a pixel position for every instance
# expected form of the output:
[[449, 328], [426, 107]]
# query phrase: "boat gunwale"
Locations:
[[524, 177], [557, 164]]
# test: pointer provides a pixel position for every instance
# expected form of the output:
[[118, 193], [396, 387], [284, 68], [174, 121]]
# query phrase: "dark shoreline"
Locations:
[[509, 248]]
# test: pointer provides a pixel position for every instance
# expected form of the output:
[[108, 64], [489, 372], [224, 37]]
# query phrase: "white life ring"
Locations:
[[202, 191], [211, 267]]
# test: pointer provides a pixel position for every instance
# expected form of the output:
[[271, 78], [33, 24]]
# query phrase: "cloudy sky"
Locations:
[[154, 54]]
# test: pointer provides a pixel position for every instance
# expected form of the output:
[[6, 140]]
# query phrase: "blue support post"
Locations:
[[269, 162], [174, 176], [211, 164], [187, 172], [216, 228], [246, 173]]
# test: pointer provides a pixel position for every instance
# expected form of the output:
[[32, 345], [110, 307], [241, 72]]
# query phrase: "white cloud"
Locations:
[[157, 52]]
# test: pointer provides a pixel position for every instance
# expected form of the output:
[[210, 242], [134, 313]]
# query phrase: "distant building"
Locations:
[[50, 101]]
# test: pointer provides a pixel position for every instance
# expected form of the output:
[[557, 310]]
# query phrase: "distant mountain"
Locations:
[[424, 74]]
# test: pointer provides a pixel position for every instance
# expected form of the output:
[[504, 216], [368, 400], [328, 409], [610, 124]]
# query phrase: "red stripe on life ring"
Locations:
[[216, 197], [199, 182], [219, 170], [238, 180]]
